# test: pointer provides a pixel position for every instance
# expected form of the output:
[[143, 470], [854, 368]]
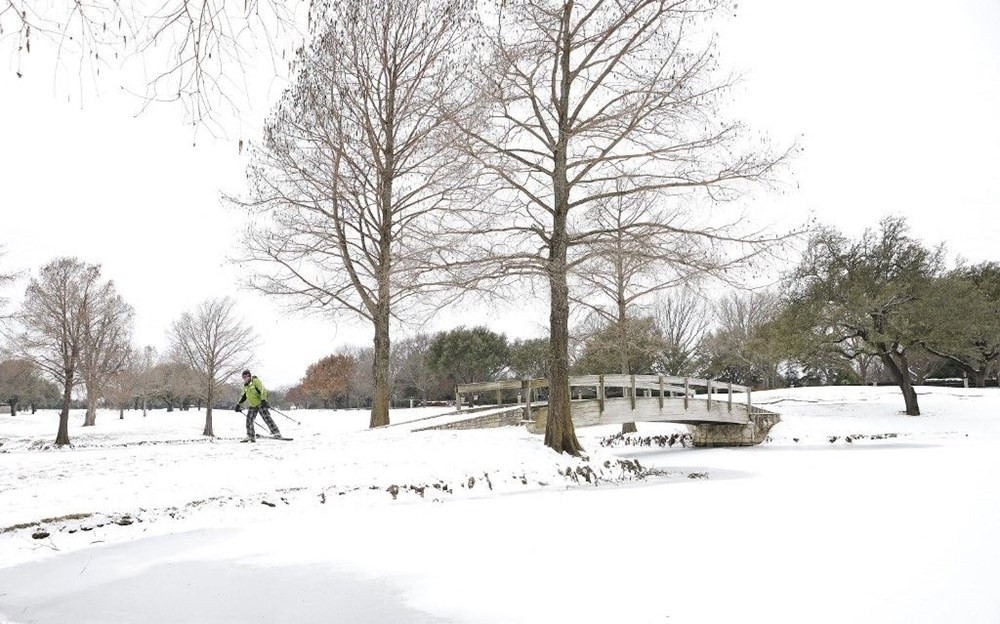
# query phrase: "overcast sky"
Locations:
[[895, 103]]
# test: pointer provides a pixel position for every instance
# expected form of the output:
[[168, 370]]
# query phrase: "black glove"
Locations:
[[238, 408], [263, 403]]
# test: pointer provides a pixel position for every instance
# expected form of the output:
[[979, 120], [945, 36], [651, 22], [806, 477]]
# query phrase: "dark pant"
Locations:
[[266, 415]]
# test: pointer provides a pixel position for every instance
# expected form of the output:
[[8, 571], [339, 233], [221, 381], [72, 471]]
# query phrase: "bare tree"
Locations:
[[173, 382], [143, 366], [214, 344], [410, 367], [620, 270], [53, 321], [107, 342], [121, 388], [361, 389], [646, 249], [590, 101], [5, 278], [736, 350], [133, 385], [18, 381], [357, 164], [684, 317], [189, 51]]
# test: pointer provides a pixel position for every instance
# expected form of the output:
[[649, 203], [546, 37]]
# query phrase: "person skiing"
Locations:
[[255, 396]]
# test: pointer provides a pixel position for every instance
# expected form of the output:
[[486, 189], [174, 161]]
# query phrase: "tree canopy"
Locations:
[[866, 297], [465, 355]]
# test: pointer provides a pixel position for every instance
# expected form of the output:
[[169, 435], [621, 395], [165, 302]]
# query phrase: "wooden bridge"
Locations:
[[718, 413]]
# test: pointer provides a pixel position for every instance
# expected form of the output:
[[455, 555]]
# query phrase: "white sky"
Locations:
[[894, 102]]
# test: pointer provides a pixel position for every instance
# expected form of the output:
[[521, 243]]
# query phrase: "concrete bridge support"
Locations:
[[724, 434]]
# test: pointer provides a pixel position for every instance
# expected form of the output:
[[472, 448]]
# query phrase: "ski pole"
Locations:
[[284, 414]]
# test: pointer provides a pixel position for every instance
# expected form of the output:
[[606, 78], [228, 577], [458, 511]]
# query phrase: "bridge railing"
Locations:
[[525, 391]]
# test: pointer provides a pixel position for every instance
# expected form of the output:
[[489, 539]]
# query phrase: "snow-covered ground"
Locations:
[[850, 512]]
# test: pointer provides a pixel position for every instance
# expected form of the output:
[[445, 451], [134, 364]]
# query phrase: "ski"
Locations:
[[262, 437]]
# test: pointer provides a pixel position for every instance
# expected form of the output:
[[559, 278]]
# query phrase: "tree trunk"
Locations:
[[980, 377], [62, 437], [863, 364], [900, 371], [208, 416], [560, 434], [13, 407], [91, 418], [380, 391], [628, 427]]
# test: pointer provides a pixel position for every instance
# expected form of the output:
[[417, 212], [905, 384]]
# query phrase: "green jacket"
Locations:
[[253, 392]]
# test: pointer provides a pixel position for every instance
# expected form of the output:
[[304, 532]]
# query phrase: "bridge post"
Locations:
[[686, 393], [749, 406], [526, 387], [633, 391], [709, 401], [730, 396], [600, 394], [661, 392]]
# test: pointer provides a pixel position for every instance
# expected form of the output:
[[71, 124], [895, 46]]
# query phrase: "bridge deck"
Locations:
[[616, 411], [639, 398]]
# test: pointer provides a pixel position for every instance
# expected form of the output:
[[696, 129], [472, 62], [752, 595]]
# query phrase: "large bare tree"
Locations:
[[593, 100], [215, 344], [53, 322], [358, 164], [107, 343]]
